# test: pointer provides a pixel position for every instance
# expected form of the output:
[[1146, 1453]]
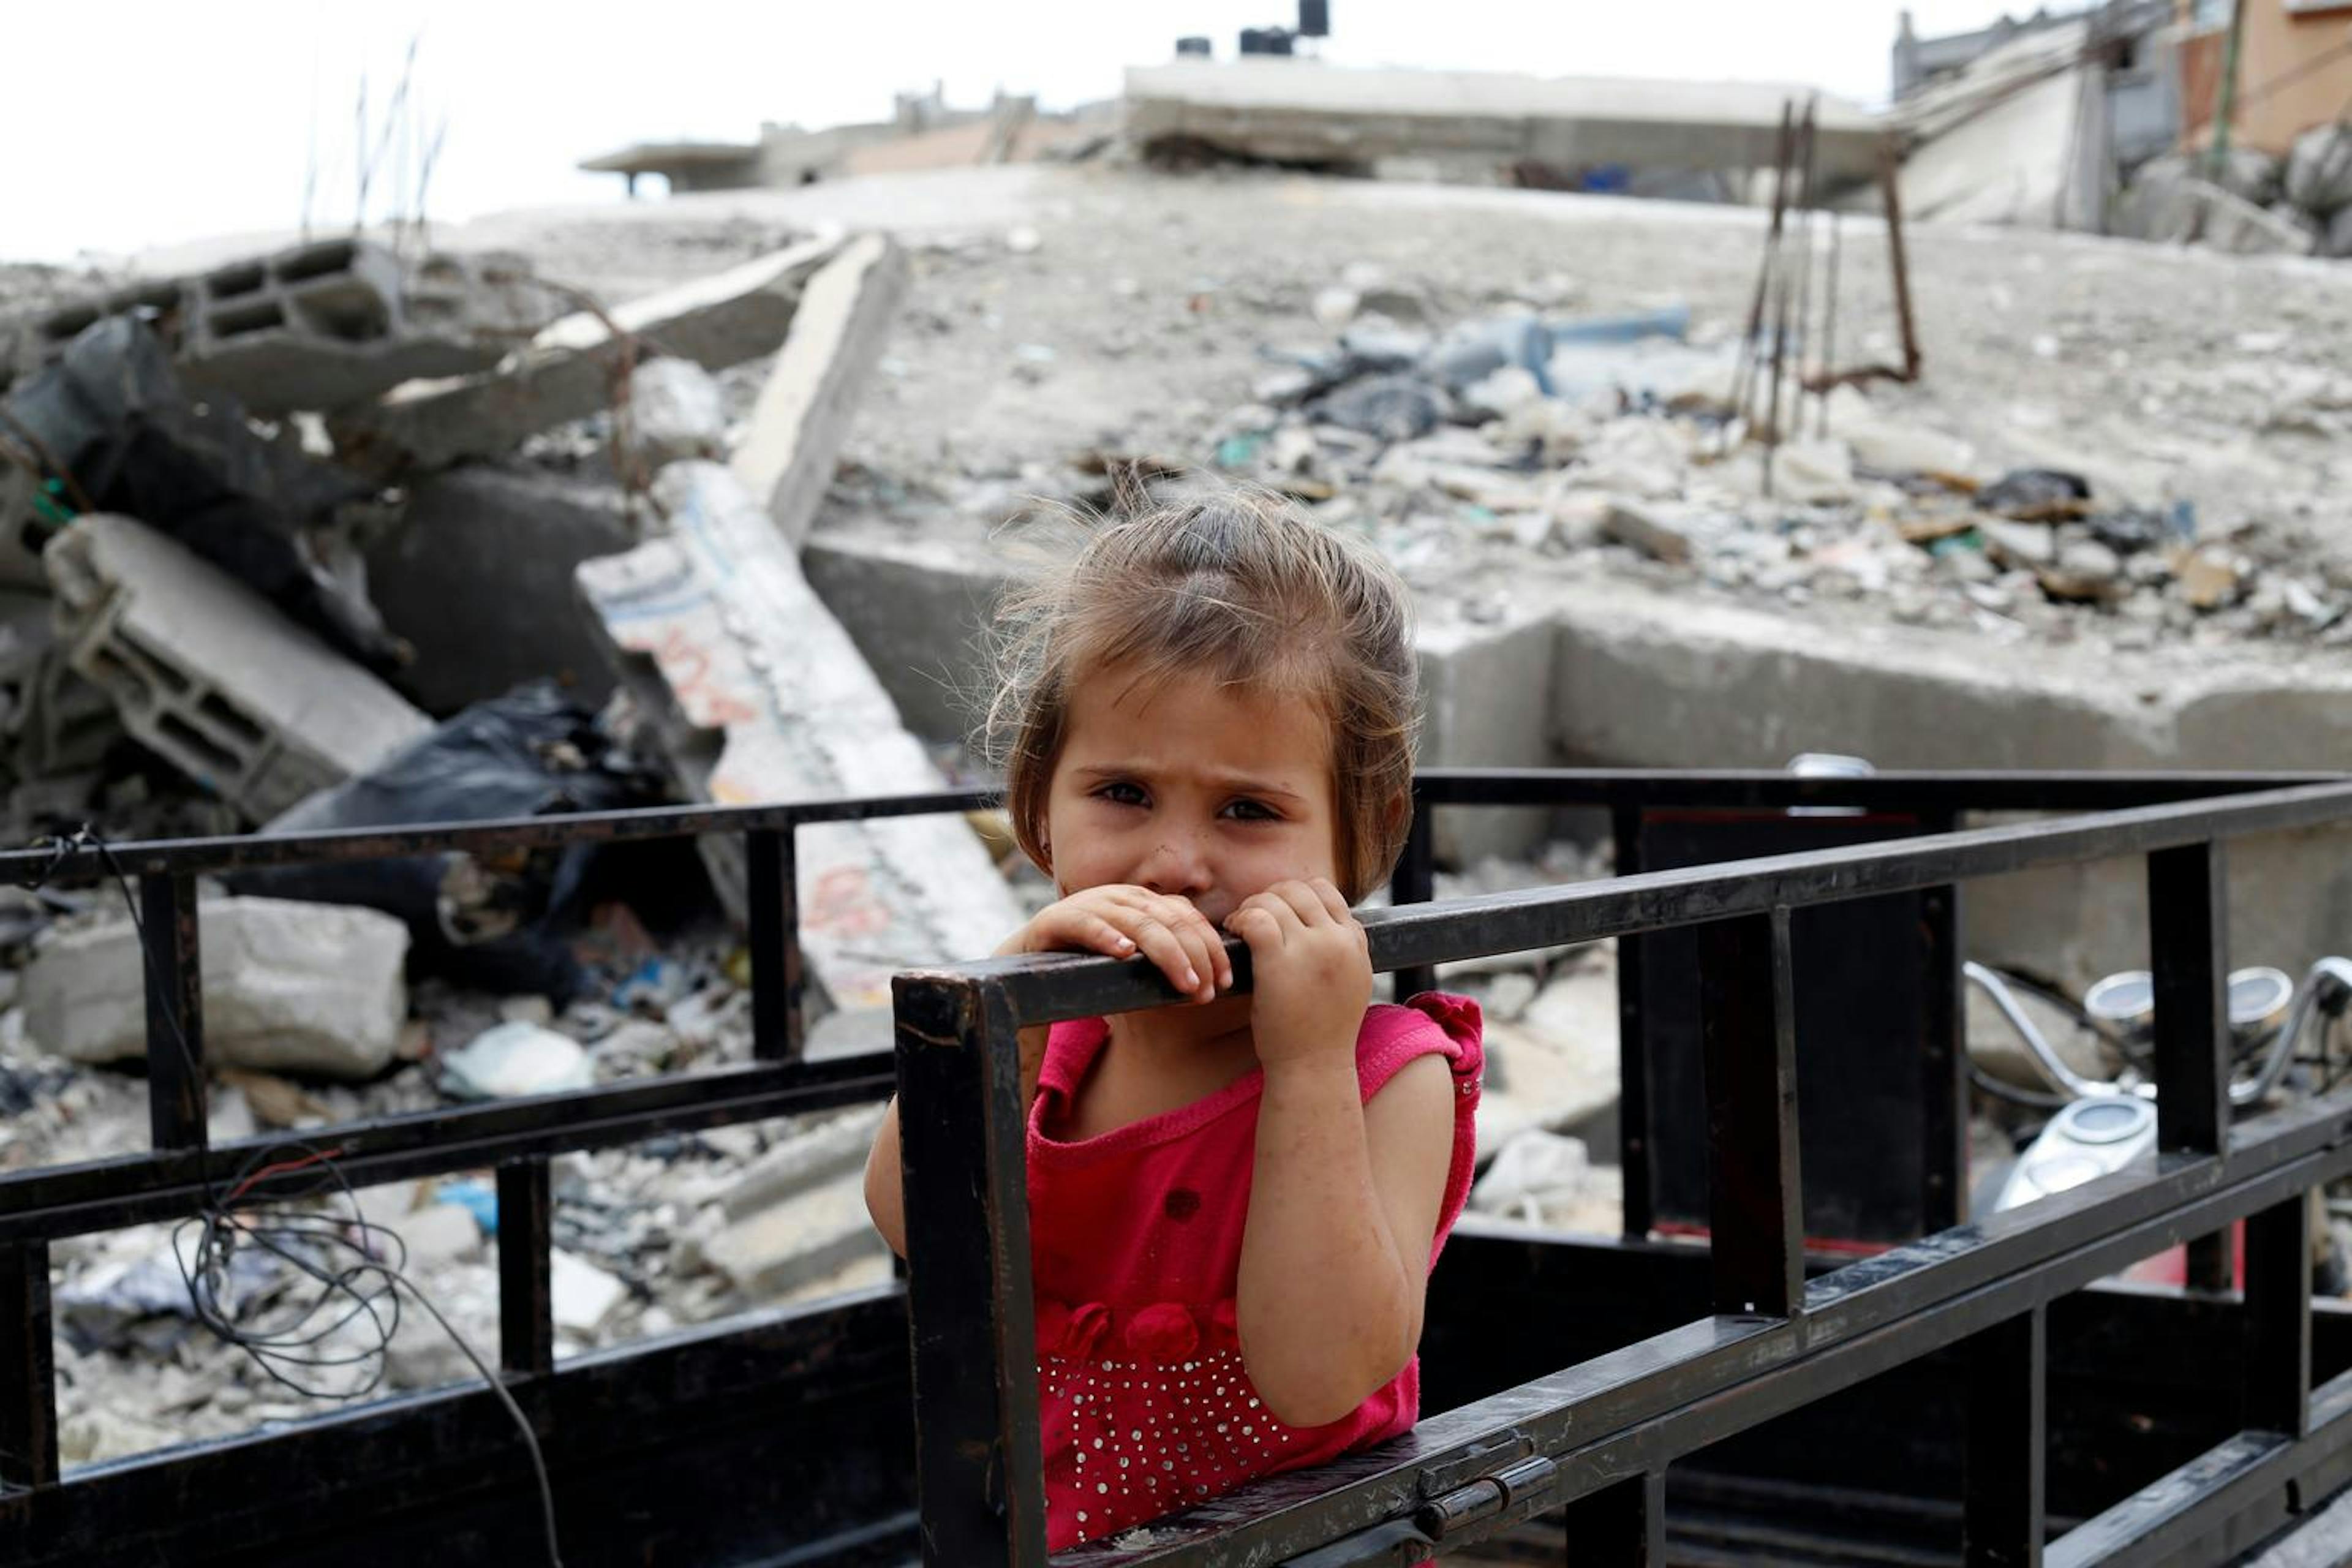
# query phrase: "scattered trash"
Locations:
[[517, 1060]]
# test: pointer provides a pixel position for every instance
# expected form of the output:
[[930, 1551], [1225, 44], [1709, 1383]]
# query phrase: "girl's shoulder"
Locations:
[[1435, 1022]]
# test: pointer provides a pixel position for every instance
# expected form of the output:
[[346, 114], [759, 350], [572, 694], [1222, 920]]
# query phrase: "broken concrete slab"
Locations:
[[567, 371], [1280, 111], [210, 676], [806, 1238], [786, 457], [820, 1155], [477, 578], [918, 610], [758, 695], [288, 988], [320, 326]]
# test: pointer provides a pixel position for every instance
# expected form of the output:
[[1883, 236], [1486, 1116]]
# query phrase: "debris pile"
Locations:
[[2247, 202], [1608, 443], [207, 482]]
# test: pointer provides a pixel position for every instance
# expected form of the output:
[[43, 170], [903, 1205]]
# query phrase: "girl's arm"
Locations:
[[1117, 920], [1346, 1197]]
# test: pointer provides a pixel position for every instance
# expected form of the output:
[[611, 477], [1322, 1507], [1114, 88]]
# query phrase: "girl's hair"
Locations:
[[1240, 586]]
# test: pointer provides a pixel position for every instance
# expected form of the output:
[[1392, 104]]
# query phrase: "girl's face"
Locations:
[[1193, 789]]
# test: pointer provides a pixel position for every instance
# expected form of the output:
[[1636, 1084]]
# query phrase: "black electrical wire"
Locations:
[[355, 1266]]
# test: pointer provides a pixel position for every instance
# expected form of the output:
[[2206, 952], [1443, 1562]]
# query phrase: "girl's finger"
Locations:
[[1298, 901], [1333, 905], [1164, 948]]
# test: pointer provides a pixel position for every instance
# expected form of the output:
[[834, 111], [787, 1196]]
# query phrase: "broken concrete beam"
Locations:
[[820, 1155], [477, 578], [209, 675], [320, 326], [786, 458], [802, 1239], [567, 371], [758, 695], [288, 988]]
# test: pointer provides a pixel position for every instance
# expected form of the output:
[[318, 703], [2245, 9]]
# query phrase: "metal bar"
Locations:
[[2008, 1442], [72, 1200], [1414, 881], [1982, 791], [2212, 1263], [1624, 1526], [2188, 952], [979, 1466], [1633, 1130], [1049, 990], [2149, 1526], [1747, 1035], [779, 1025], [2278, 1317], [1944, 1063], [526, 1259], [181, 856], [28, 1380], [172, 959]]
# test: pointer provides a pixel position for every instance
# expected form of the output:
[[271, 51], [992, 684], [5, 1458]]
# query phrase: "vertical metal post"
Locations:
[[778, 1023], [2008, 1442], [2278, 1317], [1899, 262], [1414, 881], [1633, 1057], [526, 1260], [1623, 1526], [979, 1461], [2188, 953], [1748, 1038], [1943, 1060], [28, 1381], [176, 1012]]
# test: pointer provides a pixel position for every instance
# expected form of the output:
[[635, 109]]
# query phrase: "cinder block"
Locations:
[[320, 326], [209, 675]]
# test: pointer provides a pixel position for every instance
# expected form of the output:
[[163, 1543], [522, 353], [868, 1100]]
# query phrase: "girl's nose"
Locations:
[[1177, 867]]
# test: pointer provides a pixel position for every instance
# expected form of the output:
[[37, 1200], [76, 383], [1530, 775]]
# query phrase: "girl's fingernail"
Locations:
[[1126, 942], [1191, 980]]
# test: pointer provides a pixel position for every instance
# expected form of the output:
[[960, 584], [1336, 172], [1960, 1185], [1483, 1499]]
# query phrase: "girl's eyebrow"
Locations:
[[1232, 784]]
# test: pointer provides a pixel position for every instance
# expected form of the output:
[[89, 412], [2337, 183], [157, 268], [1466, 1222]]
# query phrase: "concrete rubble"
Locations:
[[288, 986], [207, 674], [316, 327], [567, 370]]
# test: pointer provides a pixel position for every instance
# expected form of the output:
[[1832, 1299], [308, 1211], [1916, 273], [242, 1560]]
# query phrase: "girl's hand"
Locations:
[[1313, 973], [1123, 922]]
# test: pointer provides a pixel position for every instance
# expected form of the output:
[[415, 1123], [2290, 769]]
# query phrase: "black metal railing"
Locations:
[[1596, 1436]]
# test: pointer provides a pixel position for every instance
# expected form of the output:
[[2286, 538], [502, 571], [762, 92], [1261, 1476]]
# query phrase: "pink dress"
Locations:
[[1136, 1240]]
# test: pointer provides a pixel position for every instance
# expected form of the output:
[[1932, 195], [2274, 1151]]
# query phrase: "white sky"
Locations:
[[151, 121]]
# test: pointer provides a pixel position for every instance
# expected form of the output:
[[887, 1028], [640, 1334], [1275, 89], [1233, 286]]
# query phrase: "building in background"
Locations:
[[2294, 69]]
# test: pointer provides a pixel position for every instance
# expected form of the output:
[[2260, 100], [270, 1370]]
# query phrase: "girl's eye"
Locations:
[[1253, 811], [1120, 794]]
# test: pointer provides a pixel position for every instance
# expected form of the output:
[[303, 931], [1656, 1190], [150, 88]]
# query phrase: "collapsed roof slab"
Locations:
[[1289, 112]]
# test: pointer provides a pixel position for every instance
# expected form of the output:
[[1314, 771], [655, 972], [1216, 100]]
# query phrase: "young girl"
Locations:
[[1235, 1203]]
